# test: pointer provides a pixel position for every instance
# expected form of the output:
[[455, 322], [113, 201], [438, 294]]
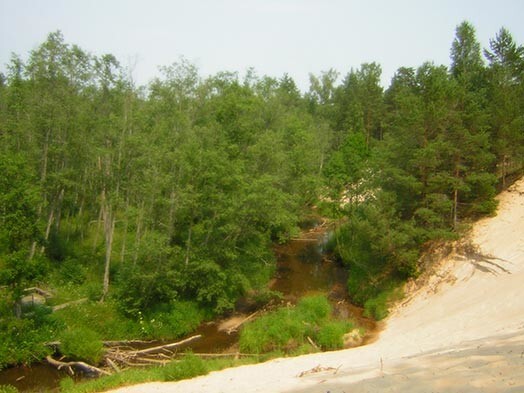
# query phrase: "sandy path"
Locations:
[[463, 331]]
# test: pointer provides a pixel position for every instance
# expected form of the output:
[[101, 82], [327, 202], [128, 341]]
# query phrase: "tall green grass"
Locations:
[[287, 329]]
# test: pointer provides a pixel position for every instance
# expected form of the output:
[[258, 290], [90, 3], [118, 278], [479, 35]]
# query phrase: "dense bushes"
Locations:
[[82, 343], [287, 329]]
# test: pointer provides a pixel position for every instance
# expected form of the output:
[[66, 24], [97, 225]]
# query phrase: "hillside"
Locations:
[[462, 330]]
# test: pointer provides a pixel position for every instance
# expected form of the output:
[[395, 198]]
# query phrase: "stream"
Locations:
[[302, 269]]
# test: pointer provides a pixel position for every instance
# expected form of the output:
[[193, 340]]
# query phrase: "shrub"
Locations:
[[377, 307], [190, 366], [102, 318], [172, 320], [287, 329], [330, 335], [8, 389], [21, 341], [314, 308], [83, 344]]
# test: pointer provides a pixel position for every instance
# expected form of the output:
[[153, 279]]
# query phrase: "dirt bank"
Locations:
[[462, 331]]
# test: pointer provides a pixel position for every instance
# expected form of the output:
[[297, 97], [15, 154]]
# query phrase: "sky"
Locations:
[[297, 37]]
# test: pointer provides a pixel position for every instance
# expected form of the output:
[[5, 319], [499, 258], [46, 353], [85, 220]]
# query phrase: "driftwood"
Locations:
[[113, 365], [168, 346], [69, 366], [236, 326], [118, 356], [312, 343]]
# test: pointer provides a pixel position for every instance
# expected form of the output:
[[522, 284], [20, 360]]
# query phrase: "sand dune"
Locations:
[[461, 331]]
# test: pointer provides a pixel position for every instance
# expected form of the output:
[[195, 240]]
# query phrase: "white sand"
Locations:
[[462, 331]]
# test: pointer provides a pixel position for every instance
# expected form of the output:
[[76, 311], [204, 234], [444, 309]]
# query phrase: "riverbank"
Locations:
[[462, 330]]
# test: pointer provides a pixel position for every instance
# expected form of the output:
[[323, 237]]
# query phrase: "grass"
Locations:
[[377, 307], [287, 330], [190, 366], [83, 344], [8, 389]]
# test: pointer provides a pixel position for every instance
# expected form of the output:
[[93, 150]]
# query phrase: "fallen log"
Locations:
[[40, 291], [235, 327], [68, 366], [167, 346], [72, 303], [113, 365], [117, 343]]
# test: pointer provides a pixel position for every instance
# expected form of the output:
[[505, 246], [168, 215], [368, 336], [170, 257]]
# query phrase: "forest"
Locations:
[[160, 204]]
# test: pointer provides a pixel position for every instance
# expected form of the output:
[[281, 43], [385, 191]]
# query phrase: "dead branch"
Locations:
[[153, 361], [123, 343], [234, 328], [223, 355], [113, 365], [168, 346], [318, 369], [312, 342], [69, 366]]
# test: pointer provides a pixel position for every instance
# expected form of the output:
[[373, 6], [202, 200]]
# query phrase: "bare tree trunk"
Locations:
[[455, 198], [188, 243], [171, 221], [504, 170], [43, 177], [59, 208], [126, 223], [48, 228], [109, 228], [99, 221], [138, 234]]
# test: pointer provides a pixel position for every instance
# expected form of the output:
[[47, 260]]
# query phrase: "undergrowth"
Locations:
[[291, 329]]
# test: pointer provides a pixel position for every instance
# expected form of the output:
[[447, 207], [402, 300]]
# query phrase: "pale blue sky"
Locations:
[[273, 36]]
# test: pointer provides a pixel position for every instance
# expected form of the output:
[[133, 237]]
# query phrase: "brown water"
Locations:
[[302, 269]]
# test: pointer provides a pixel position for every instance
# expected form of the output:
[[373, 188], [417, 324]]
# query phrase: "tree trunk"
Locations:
[[109, 228], [98, 222], [138, 233], [126, 223], [48, 228], [456, 197], [188, 243]]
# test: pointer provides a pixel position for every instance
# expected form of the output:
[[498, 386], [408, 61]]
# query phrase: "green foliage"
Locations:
[[377, 307], [8, 389], [287, 329], [21, 341], [330, 335], [103, 319], [127, 377], [190, 366], [171, 320], [83, 344]]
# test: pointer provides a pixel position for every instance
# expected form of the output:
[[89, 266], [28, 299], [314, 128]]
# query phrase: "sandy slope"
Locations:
[[462, 331]]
